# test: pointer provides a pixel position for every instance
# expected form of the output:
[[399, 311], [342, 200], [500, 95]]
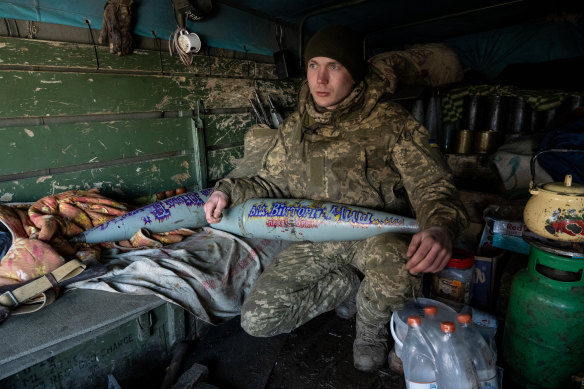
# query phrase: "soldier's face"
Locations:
[[329, 81]]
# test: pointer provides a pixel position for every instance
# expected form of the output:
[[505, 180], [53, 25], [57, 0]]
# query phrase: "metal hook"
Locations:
[[93, 42]]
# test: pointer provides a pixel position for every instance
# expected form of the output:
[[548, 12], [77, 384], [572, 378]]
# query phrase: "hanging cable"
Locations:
[[173, 46], [93, 42]]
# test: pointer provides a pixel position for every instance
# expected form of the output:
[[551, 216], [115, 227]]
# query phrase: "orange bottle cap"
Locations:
[[448, 327], [464, 318], [430, 310], [414, 320]]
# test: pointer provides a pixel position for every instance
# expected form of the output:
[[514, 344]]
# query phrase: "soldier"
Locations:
[[348, 144]]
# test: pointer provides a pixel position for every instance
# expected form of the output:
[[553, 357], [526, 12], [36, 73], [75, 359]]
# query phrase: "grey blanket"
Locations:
[[209, 273]]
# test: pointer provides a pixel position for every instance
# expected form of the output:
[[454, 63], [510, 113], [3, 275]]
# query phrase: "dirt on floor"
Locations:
[[319, 354]]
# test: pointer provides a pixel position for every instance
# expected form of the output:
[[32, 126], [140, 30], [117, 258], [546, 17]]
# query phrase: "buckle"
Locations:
[[14, 300]]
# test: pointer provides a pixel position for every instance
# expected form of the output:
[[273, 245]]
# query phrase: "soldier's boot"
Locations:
[[370, 346], [395, 364]]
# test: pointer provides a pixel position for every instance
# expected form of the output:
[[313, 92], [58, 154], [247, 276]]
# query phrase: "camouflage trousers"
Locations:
[[308, 279]]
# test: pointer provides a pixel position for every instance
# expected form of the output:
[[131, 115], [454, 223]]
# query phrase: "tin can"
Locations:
[[485, 142], [464, 142], [453, 285]]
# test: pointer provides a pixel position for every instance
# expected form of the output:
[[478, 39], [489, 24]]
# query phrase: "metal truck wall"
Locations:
[[131, 126]]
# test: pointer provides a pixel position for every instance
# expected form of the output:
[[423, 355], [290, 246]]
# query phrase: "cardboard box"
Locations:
[[508, 235], [484, 281], [503, 229]]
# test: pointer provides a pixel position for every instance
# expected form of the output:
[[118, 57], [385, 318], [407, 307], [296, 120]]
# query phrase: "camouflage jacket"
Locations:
[[368, 152]]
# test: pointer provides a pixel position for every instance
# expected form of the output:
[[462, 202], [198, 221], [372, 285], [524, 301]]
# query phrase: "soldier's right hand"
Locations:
[[214, 206]]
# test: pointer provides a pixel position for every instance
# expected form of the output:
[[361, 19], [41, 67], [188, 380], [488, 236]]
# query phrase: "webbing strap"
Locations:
[[41, 291]]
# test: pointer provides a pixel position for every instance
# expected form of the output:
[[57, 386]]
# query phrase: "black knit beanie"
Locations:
[[341, 44]]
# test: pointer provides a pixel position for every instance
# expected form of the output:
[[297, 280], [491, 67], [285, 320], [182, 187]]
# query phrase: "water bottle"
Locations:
[[431, 324], [417, 359], [482, 355], [454, 367], [433, 318], [436, 316]]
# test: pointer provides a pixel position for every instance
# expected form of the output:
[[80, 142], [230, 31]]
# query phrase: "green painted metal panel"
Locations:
[[136, 352], [265, 70], [32, 148], [57, 94], [124, 180], [221, 162], [232, 67], [34, 53], [224, 92], [40, 94], [283, 92], [54, 79], [226, 128]]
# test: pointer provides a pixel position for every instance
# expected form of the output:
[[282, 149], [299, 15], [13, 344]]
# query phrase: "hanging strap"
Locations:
[[38, 293]]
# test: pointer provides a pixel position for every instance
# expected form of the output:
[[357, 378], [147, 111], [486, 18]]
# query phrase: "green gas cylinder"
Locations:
[[543, 339]]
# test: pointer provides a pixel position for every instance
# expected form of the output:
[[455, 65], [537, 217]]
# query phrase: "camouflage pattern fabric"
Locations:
[[308, 279], [368, 152], [539, 100]]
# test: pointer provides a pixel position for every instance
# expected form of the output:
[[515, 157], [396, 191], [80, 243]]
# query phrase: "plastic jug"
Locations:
[[454, 366], [418, 361], [482, 355]]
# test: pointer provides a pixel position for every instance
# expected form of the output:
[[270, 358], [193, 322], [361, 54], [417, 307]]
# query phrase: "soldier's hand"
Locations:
[[429, 251], [215, 205]]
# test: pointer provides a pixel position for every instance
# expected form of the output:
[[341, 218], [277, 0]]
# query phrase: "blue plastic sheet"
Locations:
[[226, 27], [491, 51]]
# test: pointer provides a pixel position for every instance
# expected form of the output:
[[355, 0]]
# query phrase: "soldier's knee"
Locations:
[[256, 324]]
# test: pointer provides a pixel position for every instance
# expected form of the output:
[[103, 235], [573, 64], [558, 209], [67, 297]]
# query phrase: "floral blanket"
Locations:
[[40, 233]]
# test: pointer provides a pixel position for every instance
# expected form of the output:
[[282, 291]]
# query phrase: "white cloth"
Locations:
[[209, 273]]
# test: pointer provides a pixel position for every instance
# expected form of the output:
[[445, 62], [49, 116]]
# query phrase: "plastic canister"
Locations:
[[453, 285], [418, 361]]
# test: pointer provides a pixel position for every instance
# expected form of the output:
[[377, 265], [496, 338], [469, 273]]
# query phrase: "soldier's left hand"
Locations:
[[429, 251]]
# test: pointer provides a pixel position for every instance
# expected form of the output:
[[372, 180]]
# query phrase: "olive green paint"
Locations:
[[284, 93], [43, 80], [133, 351], [41, 94], [32, 148], [126, 180], [221, 162], [225, 129], [37, 53], [544, 336]]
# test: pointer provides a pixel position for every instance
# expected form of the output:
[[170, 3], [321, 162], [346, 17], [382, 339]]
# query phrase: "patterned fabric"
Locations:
[[40, 233], [538, 100], [27, 258], [431, 64], [368, 152], [308, 279]]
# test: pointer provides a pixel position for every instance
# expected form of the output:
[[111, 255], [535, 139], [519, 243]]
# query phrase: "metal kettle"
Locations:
[[555, 210]]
